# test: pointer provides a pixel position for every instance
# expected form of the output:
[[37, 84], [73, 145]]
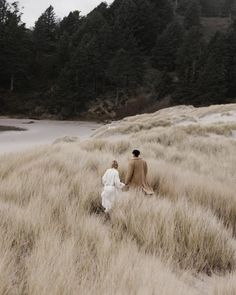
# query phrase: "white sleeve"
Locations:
[[104, 178], [117, 182]]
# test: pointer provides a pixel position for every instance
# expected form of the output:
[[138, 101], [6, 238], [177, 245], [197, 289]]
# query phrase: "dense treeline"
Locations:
[[154, 47]]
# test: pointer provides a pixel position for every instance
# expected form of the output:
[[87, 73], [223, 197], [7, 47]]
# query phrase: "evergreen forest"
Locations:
[[148, 51]]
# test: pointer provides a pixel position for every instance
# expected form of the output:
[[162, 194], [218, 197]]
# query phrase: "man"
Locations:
[[137, 174]]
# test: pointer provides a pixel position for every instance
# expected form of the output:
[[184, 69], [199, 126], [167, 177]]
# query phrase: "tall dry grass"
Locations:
[[226, 286], [55, 239], [189, 236]]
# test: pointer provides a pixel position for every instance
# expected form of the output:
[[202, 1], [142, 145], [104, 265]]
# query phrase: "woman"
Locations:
[[112, 186]]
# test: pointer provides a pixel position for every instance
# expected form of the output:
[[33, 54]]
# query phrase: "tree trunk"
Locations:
[[12, 83]]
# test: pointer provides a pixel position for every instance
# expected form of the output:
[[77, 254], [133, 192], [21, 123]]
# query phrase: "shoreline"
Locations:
[[79, 119], [24, 134]]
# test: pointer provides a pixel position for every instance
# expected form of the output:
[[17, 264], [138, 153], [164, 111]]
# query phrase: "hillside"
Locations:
[[55, 239], [117, 60]]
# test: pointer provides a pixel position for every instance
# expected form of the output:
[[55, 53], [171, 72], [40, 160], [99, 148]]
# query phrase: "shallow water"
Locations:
[[41, 132]]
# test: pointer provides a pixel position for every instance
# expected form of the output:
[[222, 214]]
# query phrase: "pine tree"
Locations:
[[119, 70], [164, 86], [182, 6], [137, 17], [212, 86], [126, 21], [161, 14], [231, 61], [233, 11], [212, 8], [4, 11], [192, 14], [45, 41], [190, 54], [166, 49], [74, 86], [126, 68], [64, 48], [89, 27], [14, 45], [189, 63], [84, 76], [227, 8], [209, 8], [45, 31], [141, 24], [71, 23]]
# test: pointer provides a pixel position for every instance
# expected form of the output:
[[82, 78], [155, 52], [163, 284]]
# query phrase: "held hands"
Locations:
[[125, 188]]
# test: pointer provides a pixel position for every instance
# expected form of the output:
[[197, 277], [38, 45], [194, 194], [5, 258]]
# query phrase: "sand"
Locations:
[[41, 132]]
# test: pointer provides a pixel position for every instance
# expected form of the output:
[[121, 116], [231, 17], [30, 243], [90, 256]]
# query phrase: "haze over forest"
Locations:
[[152, 53]]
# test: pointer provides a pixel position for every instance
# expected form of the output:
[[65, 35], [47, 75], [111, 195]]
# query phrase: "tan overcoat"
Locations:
[[137, 176]]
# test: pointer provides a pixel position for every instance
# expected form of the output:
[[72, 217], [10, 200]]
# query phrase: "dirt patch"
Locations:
[[11, 128]]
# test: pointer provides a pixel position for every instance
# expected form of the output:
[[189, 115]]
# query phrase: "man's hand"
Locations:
[[125, 188]]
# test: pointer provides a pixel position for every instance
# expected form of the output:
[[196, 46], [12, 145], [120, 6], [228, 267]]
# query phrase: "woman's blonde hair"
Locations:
[[114, 164]]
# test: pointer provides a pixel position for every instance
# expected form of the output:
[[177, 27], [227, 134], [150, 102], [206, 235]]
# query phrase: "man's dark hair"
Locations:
[[136, 153]]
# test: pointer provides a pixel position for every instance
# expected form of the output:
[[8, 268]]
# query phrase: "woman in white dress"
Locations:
[[112, 186]]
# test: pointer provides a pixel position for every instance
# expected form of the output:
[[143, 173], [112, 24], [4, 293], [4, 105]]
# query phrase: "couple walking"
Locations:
[[136, 178]]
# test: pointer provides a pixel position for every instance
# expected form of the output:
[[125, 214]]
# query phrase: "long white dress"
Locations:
[[112, 188]]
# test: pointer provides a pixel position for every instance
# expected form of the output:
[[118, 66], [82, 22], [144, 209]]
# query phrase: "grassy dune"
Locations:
[[55, 240]]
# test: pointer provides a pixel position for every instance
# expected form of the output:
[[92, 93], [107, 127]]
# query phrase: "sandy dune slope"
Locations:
[[182, 241]]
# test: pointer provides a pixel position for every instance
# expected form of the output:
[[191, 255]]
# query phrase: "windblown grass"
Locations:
[[55, 240], [192, 238], [226, 286]]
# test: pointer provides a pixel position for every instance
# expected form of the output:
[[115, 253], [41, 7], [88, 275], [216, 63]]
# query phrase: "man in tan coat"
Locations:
[[137, 174]]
